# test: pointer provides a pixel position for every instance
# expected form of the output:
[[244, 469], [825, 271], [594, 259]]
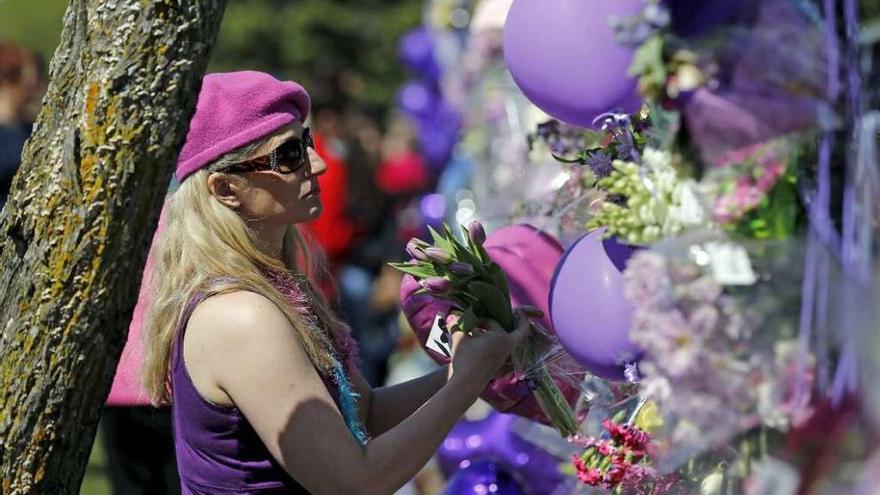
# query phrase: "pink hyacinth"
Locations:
[[751, 187]]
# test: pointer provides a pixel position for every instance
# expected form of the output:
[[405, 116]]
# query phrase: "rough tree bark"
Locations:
[[76, 229]]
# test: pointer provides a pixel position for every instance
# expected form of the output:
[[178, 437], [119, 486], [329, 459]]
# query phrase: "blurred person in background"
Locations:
[[21, 88], [359, 227], [334, 229], [404, 176], [366, 300], [137, 437]]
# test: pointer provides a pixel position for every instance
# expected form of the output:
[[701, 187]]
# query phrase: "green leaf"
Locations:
[[499, 278], [468, 320], [648, 61], [496, 302], [417, 270], [439, 240], [477, 256], [448, 232], [463, 253], [578, 159]]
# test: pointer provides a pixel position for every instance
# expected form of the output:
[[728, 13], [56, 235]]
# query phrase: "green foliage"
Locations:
[[339, 50], [778, 216], [36, 25]]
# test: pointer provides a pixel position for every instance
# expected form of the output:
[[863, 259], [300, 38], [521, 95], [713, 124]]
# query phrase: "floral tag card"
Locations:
[[730, 264], [440, 340]]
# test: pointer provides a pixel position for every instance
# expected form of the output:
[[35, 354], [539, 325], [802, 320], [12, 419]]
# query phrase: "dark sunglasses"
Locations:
[[291, 156]]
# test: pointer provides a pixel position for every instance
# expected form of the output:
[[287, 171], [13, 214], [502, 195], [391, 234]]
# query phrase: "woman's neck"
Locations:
[[270, 239]]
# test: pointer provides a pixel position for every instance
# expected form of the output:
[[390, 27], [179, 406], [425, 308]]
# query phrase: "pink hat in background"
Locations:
[[237, 108], [528, 258]]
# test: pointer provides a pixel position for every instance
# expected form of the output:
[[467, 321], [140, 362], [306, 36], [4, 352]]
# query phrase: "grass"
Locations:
[[96, 480]]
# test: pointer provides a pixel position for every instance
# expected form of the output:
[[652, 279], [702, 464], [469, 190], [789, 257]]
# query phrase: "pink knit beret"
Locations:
[[234, 109]]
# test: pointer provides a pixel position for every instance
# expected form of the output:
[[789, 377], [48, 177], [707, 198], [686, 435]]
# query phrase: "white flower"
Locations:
[[657, 160]]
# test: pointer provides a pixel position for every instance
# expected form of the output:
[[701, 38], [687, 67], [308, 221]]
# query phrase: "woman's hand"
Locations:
[[481, 354]]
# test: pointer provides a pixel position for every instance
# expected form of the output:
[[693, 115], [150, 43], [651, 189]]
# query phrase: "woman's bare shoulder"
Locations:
[[237, 316]]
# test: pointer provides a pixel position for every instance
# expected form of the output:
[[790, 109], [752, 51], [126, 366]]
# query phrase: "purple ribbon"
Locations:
[[822, 229], [852, 246], [857, 218]]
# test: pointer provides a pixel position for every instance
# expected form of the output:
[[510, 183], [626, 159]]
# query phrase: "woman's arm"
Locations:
[[385, 407], [253, 355]]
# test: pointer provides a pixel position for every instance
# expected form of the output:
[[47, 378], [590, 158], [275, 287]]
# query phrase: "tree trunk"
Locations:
[[77, 227]]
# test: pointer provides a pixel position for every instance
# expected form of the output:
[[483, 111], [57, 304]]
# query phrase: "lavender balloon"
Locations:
[[472, 444], [590, 314], [565, 59]]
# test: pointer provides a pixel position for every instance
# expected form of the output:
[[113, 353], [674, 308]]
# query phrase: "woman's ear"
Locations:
[[226, 189]]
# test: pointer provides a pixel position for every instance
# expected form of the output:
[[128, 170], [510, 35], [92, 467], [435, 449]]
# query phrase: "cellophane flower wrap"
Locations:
[[463, 273], [722, 360]]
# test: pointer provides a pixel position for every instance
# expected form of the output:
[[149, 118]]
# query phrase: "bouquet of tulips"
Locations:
[[463, 273]]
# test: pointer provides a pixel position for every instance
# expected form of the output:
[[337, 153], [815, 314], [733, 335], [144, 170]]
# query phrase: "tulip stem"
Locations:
[[551, 400]]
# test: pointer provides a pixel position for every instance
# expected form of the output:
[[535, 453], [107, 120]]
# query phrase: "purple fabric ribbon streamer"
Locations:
[[852, 247], [859, 190], [822, 230]]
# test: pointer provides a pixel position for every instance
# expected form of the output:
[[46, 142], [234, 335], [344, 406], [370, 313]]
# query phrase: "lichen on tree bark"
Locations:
[[78, 223]]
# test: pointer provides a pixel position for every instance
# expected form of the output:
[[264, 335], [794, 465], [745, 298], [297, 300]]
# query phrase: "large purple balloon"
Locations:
[[590, 314], [565, 59], [471, 443]]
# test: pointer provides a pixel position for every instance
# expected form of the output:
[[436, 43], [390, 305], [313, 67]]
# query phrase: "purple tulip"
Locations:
[[461, 268], [476, 233], [438, 255], [415, 250], [437, 286]]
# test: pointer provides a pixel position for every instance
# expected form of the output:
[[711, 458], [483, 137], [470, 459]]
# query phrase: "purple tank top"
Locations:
[[218, 452]]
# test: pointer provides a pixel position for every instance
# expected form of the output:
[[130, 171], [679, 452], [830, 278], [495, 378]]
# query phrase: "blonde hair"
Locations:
[[208, 248]]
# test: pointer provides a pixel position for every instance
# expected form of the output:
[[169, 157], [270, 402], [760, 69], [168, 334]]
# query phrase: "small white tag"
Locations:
[[730, 264], [440, 340]]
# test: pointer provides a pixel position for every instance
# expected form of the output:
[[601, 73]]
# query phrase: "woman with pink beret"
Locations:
[[261, 376]]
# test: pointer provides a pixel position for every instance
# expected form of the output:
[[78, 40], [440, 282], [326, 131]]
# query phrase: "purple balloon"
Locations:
[[471, 443], [590, 314], [417, 99], [484, 477], [417, 52], [438, 133], [565, 59]]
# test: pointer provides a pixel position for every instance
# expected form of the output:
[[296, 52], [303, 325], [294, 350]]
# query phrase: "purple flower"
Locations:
[[461, 268], [704, 320], [415, 250], [437, 286], [438, 255], [600, 163], [476, 233], [646, 281]]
